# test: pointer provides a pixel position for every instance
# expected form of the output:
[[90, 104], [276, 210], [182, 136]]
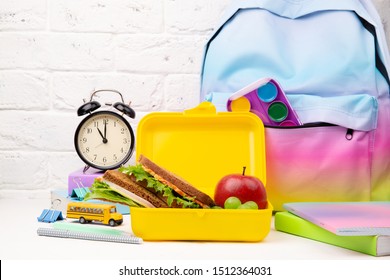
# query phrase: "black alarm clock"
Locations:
[[104, 139]]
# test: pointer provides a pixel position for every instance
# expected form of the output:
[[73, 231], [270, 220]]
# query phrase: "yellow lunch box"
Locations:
[[202, 146]]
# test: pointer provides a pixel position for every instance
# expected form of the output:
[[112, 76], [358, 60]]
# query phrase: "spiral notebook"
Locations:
[[63, 230], [345, 218]]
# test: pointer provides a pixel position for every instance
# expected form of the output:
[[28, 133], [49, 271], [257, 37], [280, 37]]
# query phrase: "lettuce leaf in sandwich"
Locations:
[[101, 190], [158, 187]]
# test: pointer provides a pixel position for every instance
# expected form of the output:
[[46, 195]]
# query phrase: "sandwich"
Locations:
[[147, 184]]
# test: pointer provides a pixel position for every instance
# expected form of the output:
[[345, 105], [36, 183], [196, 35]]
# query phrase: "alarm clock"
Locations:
[[104, 139]]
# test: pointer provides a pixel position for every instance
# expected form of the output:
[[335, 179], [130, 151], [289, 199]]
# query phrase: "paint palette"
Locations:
[[266, 99]]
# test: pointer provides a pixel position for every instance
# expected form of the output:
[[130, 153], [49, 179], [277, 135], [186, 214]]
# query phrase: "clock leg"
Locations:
[[86, 168]]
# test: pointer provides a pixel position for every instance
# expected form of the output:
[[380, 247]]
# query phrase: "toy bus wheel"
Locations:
[[82, 220], [111, 223]]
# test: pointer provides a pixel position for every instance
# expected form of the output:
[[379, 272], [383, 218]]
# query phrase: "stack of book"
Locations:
[[360, 226]]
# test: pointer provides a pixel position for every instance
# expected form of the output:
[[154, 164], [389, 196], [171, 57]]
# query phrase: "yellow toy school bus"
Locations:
[[87, 212]]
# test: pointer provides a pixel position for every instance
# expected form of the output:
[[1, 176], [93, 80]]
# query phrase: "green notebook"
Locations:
[[371, 245]]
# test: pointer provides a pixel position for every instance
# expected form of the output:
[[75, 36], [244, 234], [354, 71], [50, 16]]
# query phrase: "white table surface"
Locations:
[[19, 240]]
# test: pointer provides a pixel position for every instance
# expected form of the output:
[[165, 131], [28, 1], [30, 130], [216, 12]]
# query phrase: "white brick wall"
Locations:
[[54, 53]]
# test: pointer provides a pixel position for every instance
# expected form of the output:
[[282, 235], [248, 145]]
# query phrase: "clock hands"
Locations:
[[103, 136], [105, 128]]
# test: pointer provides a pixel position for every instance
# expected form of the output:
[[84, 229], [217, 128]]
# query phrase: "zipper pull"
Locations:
[[349, 134]]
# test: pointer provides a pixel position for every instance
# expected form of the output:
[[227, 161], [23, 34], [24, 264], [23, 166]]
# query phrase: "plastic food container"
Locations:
[[267, 100], [202, 146]]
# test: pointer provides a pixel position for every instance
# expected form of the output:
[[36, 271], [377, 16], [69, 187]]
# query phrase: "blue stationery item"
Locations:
[[79, 193], [80, 179], [50, 216]]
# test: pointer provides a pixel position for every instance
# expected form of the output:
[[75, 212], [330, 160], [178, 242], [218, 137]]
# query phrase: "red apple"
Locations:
[[244, 187]]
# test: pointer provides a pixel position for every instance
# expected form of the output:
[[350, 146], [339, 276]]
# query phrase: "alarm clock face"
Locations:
[[104, 140]]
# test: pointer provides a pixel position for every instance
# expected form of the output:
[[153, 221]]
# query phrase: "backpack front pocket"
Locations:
[[321, 161]]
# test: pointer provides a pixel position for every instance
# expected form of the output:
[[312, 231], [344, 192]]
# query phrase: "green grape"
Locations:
[[249, 205], [244, 206], [216, 207], [232, 203]]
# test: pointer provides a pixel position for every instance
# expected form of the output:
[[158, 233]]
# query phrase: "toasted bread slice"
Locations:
[[179, 185], [123, 184], [160, 195]]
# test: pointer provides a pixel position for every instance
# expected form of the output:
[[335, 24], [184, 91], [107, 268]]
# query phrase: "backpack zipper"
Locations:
[[348, 135], [308, 125]]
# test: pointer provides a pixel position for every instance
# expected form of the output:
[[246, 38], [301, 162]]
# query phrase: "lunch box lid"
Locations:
[[202, 145]]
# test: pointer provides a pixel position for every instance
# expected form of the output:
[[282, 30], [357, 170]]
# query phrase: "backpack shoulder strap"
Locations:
[[383, 50], [379, 58]]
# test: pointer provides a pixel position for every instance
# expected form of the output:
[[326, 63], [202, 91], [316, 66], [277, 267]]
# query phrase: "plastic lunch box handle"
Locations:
[[204, 108]]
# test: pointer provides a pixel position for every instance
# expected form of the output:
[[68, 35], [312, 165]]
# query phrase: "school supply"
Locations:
[[266, 99], [79, 179], [346, 218], [89, 228], [93, 236], [371, 245], [332, 61], [79, 192], [51, 215]]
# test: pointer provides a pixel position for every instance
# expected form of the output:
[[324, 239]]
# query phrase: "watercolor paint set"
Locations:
[[266, 99]]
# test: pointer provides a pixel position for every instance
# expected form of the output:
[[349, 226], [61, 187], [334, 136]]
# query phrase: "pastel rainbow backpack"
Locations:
[[331, 59]]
